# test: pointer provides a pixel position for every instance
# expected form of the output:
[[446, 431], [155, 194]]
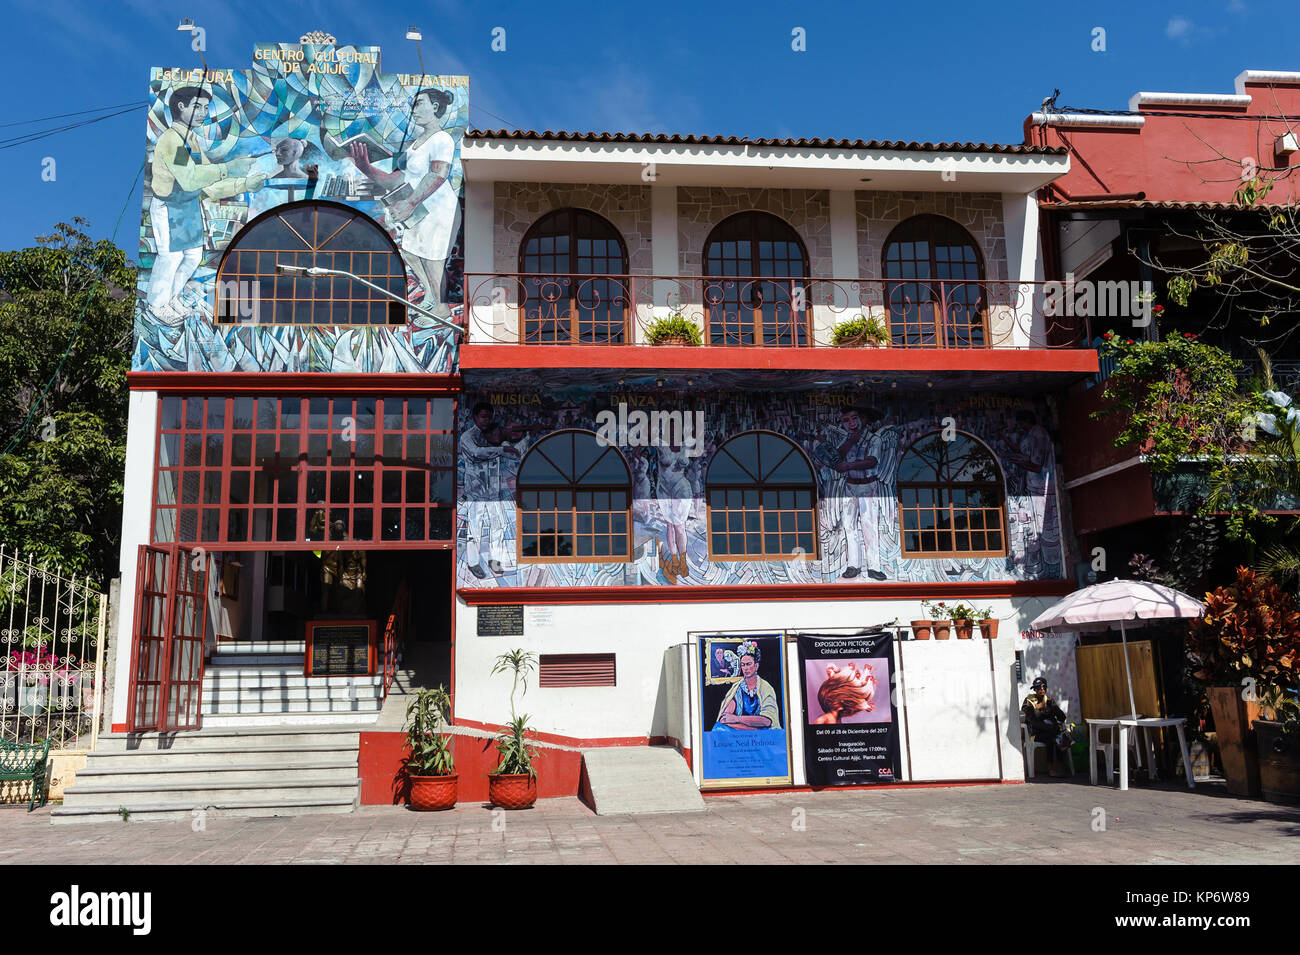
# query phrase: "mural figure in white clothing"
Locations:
[[1031, 463], [860, 455], [422, 203]]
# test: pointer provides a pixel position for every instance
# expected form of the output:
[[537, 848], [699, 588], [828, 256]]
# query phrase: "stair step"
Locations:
[[208, 738], [227, 763], [246, 647], [214, 794], [225, 693], [282, 676], [351, 718]]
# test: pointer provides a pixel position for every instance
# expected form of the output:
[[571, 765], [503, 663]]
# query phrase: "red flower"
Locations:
[[1157, 308], [1108, 335], [1129, 341]]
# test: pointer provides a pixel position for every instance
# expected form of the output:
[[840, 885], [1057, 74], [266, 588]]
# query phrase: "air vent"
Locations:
[[576, 669]]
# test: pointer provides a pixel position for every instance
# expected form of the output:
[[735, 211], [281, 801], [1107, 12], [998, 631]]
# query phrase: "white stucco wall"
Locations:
[[142, 428], [641, 634]]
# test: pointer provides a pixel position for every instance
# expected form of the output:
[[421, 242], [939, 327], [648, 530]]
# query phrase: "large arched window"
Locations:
[[251, 289], [933, 269], [762, 499], [950, 499], [765, 303], [566, 256], [574, 499]]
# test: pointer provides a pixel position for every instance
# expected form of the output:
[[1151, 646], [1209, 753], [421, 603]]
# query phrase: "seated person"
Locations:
[[1046, 722]]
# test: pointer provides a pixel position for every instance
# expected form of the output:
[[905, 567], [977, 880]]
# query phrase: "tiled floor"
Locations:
[[1046, 820]]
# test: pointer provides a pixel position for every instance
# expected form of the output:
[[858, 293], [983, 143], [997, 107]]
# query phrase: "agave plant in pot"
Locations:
[[513, 784], [430, 766]]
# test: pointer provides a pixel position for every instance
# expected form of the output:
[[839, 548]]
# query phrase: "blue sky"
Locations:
[[930, 71]]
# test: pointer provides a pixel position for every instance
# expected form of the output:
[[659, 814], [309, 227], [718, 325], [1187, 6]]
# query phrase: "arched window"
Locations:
[[565, 256], [762, 499], [250, 288], [574, 500], [939, 301], [765, 303], [950, 499]]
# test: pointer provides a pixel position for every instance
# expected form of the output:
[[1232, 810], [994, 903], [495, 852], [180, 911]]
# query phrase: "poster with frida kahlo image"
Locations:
[[744, 736]]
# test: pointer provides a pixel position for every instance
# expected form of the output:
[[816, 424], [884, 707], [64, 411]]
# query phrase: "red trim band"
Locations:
[[575, 742], [1069, 360], [300, 382], [479, 596]]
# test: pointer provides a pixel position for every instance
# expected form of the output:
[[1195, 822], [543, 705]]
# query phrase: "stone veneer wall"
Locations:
[[700, 208], [979, 213], [517, 205]]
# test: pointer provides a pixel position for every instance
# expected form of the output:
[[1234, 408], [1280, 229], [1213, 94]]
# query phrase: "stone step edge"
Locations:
[[185, 807], [239, 731], [307, 748], [342, 781], [90, 771]]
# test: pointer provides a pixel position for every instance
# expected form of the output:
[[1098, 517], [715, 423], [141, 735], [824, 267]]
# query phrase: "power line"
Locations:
[[97, 109], [25, 138]]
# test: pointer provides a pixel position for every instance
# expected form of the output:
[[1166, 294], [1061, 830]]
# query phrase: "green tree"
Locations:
[[66, 313]]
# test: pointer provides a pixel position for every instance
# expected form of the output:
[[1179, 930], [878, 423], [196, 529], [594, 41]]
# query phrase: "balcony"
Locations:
[[518, 320]]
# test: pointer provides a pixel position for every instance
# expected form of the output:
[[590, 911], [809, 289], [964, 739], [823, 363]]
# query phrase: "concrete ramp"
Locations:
[[618, 780]]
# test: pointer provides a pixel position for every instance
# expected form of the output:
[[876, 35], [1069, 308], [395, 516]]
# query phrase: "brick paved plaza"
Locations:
[[1051, 820]]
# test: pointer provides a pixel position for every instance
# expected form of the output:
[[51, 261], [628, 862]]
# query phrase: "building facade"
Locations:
[[401, 401]]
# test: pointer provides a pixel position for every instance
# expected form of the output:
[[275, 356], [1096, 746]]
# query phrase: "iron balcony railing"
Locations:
[[533, 309]]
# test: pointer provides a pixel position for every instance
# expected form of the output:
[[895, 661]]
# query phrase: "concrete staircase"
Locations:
[[256, 683], [423, 666], [237, 771], [619, 780]]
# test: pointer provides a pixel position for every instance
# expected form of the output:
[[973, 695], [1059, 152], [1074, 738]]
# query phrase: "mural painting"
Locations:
[[310, 121], [855, 441]]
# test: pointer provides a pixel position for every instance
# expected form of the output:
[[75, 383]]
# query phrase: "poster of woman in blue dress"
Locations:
[[742, 708]]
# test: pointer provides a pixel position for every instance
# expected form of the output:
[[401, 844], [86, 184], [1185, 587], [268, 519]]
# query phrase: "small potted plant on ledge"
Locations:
[[963, 620], [430, 766], [674, 329], [938, 614], [513, 784], [988, 623], [865, 331]]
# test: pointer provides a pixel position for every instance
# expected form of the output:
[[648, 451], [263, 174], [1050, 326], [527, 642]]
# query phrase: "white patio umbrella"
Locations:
[[1114, 603]]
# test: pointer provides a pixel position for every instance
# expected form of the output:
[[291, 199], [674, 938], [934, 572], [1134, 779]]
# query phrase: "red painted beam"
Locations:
[[298, 382], [479, 596], [1066, 360]]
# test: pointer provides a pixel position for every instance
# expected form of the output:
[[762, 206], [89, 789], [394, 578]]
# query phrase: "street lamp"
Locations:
[[413, 33], [286, 269], [187, 26]]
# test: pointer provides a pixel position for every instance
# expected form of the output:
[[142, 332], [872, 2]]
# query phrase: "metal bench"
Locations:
[[26, 762]]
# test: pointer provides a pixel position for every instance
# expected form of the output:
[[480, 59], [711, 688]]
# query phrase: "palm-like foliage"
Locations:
[[426, 716], [515, 756]]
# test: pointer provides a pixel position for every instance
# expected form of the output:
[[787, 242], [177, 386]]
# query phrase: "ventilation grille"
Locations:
[[576, 669]]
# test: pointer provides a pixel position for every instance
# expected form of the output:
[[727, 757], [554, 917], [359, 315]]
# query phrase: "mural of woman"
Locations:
[[751, 703], [845, 692], [422, 205], [675, 496]]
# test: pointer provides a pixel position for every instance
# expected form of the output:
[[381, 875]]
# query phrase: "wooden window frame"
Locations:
[[576, 278], [313, 461], [762, 511], [344, 293], [939, 324], [801, 331], [574, 488], [942, 490]]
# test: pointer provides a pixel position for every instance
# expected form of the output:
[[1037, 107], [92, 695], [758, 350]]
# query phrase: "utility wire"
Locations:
[[84, 112], [25, 138]]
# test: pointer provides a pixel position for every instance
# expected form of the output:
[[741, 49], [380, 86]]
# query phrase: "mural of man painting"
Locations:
[[1032, 454], [181, 176], [860, 454]]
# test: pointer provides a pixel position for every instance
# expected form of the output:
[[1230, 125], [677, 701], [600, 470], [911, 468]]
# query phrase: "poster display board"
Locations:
[[850, 725], [743, 710]]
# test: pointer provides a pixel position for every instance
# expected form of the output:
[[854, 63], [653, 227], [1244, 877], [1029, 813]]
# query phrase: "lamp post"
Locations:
[[187, 26], [286, 269], [413, 33]]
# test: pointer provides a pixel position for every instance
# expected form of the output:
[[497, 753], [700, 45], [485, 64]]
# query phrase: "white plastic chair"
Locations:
[[1028, 745], [1107, 747]]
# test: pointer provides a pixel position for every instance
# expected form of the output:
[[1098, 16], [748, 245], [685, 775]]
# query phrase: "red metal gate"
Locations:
[[167, 646]]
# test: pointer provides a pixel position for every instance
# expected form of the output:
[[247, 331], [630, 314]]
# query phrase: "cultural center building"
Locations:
[[684, 416]]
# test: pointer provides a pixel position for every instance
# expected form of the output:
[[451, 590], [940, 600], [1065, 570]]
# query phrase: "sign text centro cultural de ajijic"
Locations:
[[309, 121]]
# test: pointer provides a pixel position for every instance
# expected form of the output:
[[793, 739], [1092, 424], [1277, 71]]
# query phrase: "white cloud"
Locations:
[[1179, 28]]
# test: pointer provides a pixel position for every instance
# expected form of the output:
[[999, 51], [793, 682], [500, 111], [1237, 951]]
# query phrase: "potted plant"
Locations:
[[674, 329], [1246, 647], [864, 331], [430, 766], [1278, 736], [963, 617], [921, 629], [988, 623], [513, 784], [938, 618]]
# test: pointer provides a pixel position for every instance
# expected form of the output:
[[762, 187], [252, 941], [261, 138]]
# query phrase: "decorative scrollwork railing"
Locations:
[[790, 312]]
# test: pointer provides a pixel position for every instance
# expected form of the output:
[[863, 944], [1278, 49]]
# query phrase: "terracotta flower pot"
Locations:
[[432, 793], [921, 629], [1232, 719], [989, 628], [674, 340], [942, 629], [964, 628], [512, 790], [1279, 763]]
